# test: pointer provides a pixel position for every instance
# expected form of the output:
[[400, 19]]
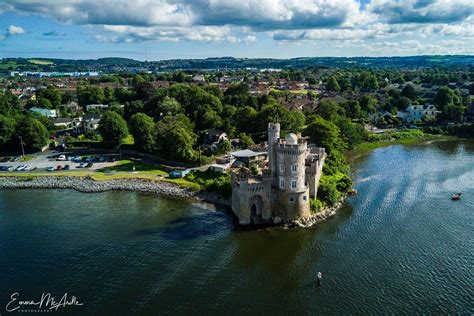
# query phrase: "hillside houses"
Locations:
[[418, 113]]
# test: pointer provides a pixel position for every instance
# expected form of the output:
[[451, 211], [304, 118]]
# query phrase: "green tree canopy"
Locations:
[[113, 129], [142, 127], [333, 85], [33, 133], [7, 129], [175, 138]]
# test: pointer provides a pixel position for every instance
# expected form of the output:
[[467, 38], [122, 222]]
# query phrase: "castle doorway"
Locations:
[[256, 207], [253, 210]]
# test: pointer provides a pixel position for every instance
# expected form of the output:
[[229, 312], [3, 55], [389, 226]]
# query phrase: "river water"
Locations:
[[400, 246]]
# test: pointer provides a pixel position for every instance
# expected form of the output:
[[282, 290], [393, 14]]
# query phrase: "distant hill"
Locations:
[[116, 64]]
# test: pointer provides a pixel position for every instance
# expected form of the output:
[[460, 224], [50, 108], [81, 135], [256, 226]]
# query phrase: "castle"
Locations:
[[286, 184]]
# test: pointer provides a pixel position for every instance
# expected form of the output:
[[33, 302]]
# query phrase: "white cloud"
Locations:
[[341, 22], [14, 30]]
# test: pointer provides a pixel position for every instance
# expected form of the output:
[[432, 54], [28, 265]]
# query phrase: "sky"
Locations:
[[168, 29]]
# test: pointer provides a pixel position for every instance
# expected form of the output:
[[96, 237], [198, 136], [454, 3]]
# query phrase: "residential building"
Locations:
[[91, 122], [417, 113], [45, 112], [100, 107]]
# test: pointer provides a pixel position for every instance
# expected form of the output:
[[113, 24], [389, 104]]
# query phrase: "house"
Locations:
[[213, 137], [248, 157], [90, 122], [44, 112], [73, 107], [199, 78], [417, 113], [65, 122], [77, 126], [100, 107], [218, 168]]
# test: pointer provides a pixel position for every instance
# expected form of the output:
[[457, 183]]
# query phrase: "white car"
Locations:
[[62, 158], [29, 168], [20, 168], [50, 169]]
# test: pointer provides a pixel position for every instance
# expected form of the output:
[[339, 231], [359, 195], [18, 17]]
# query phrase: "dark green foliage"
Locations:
[[212, 181], [113, 129], [34, 134], [333, 85], [142, 127], [52, 95], [175, 138], [7, 129]]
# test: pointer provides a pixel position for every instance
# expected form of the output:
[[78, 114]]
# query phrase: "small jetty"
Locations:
[[456, 196]]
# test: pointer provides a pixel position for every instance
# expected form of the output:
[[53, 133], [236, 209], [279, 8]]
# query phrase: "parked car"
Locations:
[[59, 168], [29, 168], [3, 168], [81, 165], [90, 164], [61, 158], [5, 159], [17, 158], [75, 158], [111, 159], [66, 167], [50, 169], [20, 168]]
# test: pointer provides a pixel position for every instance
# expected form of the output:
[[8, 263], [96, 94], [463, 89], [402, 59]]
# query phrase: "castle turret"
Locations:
[[273, 137]]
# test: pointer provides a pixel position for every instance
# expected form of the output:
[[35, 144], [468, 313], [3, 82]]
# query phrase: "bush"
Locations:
[[316, 205], [212, 181]]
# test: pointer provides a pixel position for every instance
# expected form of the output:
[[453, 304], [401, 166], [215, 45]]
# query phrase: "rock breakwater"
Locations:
[[88, 185]]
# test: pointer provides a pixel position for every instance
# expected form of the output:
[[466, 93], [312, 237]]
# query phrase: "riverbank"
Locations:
[[366, 147]]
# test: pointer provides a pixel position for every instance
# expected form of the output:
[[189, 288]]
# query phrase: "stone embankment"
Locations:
[[88, 185], [316, 218]]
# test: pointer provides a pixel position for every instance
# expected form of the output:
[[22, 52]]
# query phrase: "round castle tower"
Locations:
[[292, 194]]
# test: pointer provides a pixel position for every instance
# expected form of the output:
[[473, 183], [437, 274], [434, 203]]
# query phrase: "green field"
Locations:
[[40, 62]]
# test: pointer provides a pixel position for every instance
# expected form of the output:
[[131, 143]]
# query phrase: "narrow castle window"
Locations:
[[293, 184], [291, 200], [282, 183], [294, 168], [282, 167]]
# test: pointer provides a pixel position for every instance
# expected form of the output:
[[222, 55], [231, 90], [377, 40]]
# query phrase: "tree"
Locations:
[[87, 94], [333, 85], [175, 138], [142, 127], [224, 147], [245, 140], [7, 129], [444, 97], [324, 134], [169, 106], [34, 134], [368, 103], [113, 129], [409, 91], [52, 95]]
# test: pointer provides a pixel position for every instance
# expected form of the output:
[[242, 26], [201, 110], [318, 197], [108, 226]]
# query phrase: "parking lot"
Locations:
[[49, 161]]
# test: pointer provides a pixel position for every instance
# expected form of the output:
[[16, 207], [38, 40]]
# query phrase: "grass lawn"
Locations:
[[8, 65], [127, 166]]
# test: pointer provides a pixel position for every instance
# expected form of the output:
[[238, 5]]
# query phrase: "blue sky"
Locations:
[[166, 29]]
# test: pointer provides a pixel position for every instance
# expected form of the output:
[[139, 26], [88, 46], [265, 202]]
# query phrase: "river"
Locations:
[[400, 246]]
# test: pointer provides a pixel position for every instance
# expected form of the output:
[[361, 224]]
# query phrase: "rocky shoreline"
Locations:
[[317, 218], [88, 185]]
